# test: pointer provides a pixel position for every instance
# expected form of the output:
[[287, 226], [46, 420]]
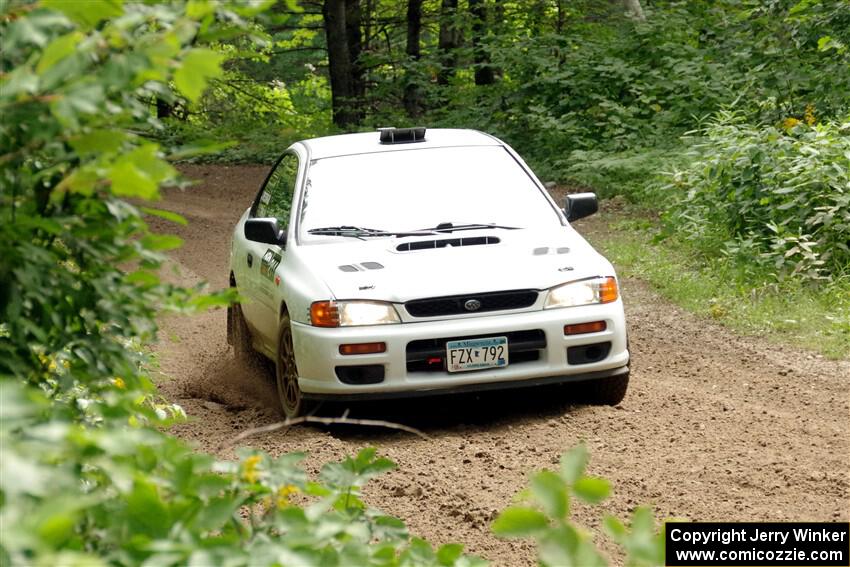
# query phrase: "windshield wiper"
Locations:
[[449, 227], [360, 232]]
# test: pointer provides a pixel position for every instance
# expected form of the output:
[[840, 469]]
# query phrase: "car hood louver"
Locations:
[[447, 242]]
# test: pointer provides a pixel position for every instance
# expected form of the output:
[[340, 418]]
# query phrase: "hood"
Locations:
[[521, 259]]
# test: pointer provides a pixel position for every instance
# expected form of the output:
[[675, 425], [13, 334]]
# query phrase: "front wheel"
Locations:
[[608, 391], [286, 374], [239, 336]]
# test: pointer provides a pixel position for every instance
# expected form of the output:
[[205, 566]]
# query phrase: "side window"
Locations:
[[276, 198]]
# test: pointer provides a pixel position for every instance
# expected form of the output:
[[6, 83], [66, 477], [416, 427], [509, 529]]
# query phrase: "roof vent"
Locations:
[[402, 135], [429, 244]]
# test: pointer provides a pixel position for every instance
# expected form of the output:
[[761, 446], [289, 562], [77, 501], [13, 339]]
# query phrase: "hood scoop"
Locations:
[[447, 242], [363, 266], [545, 250]]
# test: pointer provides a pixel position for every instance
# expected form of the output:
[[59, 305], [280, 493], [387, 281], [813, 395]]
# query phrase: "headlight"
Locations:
[[582, 292], [352, 313]]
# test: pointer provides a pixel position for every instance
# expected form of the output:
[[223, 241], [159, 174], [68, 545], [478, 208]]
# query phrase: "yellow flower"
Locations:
[[52, 366], [283, 494], [809, 116], [249, 468], [119, 383], [790, 122]]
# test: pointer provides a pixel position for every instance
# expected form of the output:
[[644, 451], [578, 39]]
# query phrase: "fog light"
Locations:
[[582, 328], [363, 348]]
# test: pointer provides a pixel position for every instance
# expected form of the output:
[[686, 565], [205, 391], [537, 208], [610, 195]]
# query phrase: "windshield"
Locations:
[[408, 190]]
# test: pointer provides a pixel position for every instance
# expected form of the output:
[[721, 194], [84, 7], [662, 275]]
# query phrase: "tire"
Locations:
[[240, 336], [607, 391], [286, 374]]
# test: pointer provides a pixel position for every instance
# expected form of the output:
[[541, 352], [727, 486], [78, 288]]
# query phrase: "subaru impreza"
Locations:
[[411, 262]]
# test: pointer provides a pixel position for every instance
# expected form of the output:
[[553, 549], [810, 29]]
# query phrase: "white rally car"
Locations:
[[406, 262]]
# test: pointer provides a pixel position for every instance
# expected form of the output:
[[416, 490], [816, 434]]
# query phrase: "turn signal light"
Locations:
[[324, 314], [582, 328], [608, 290], [363, 348]]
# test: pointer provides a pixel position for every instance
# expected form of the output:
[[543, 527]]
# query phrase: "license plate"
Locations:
[[476, 354]]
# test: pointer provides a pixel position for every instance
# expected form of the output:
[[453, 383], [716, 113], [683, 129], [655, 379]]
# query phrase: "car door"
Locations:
[[274, 201]]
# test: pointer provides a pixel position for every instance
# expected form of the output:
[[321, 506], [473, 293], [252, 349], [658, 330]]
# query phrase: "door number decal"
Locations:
[[271, 260]]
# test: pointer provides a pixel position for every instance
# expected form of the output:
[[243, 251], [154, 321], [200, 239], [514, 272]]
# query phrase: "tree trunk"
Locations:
[[484, 74], [353, 35], [559, 22], [634, 8], [412, 92], [366, 18], [343, 95], [448, 42], [163, 108]]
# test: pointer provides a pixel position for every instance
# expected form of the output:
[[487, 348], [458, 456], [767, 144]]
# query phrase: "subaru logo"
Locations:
[[472, 305]]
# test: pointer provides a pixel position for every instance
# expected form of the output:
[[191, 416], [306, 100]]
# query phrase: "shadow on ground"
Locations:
[[239, 386]]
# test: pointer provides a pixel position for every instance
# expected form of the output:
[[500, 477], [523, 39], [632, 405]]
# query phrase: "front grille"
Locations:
[[523, 346], [454, 304]]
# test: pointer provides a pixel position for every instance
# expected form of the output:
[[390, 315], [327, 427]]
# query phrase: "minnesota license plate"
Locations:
[[476, 354]]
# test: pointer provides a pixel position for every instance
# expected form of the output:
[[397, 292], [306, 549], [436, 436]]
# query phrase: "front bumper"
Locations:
[[317, 353]]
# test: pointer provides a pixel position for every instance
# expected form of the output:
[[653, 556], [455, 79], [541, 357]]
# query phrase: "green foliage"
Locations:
[[88, 477], [76, 88], [744, 298], [131, 496], [774, 197], [560, 542]]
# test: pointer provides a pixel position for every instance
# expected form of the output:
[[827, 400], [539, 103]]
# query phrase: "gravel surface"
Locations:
[[715, 427]]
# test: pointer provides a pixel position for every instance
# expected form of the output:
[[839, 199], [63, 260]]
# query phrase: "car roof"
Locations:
[[369, 142]]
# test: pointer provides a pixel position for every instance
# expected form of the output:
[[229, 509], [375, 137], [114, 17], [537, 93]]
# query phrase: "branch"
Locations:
[[324, 421], [304, 48]]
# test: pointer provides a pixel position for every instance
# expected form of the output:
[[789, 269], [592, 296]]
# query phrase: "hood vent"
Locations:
[[544, 250], [361, 267], [429, 244]]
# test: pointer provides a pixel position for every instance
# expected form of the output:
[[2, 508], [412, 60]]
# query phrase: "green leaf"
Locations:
[[142, 277], [214, 514], [58, 49], [420, 552], [98, 142], [20, 80], [449, 553], [549, 489], [145, 509], [592, 489], [161, 242], [88, 12], [139, 173], [129, 181], [167, 215], [519, 522], [614, 528], [198, 9], [573, 463], [197, 68]]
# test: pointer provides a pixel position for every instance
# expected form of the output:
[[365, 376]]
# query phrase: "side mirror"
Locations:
[[265, 230], [580, 205]]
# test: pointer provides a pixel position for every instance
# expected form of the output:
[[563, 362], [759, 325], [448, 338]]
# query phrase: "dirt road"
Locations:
[[715, 426]]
